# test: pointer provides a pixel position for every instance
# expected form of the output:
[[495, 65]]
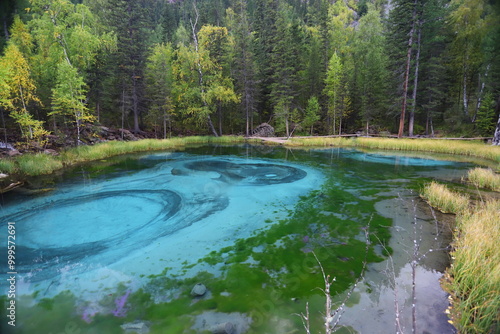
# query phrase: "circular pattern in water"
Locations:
[[68, 230], [249, 173], [101, 221]]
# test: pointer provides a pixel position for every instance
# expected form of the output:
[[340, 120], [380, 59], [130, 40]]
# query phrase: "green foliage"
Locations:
[[69, 94], [486, 118], [336, 90], [312, 113], [159, 79], [371, 68], [20, 93], [232, 63]]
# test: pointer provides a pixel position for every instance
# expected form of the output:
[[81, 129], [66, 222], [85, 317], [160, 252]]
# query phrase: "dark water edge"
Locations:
[[269, 275]]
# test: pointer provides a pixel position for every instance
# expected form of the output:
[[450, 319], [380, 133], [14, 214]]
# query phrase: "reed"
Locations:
[[7, 166], [484, 178], [469, 148], [439, 196], [38, 164], [101, 151], [473, 280]]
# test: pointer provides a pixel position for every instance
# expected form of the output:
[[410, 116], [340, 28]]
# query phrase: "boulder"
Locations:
[[223, 328], [198, 290], [135, 327], [49, 151], [6, 146], [127, 135], [263, 130], [13, 153]]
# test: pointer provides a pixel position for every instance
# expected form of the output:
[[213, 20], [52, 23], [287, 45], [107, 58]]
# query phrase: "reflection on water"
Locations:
[[124, 244]]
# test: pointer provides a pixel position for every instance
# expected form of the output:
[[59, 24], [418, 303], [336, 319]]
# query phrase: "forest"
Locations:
[[163, 68]]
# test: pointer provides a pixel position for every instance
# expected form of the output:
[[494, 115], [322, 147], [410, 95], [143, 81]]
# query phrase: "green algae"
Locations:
[[271, 274]]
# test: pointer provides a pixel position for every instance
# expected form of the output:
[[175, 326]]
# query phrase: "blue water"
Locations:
[[97, 228]]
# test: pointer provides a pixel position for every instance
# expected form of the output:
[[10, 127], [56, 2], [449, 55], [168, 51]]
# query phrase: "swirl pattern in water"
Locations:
[[105, 219]]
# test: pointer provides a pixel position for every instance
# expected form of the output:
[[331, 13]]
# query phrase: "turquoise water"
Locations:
[[123, 241]]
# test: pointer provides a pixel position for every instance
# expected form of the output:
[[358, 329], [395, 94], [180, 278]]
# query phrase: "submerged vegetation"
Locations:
[[223, 67], [456, 147], [473, 279], [38, 164], [267, 276]]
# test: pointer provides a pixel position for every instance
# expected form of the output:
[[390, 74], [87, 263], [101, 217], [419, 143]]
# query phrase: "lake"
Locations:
[[117, 246]]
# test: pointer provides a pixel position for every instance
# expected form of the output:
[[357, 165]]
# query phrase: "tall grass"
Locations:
[[469, 148], [439, 196], [473, 279], [484, 178], [101, 151], [38, 164], [7, 166]]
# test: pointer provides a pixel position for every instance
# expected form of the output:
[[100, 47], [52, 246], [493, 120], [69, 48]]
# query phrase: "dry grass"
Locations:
[[439, 196], [474, 277], [38, 164], [470, 148], [484, 178]]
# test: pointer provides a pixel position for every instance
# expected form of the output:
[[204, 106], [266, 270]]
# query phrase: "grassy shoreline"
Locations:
[[40, 163], [473, 279], [470, 148]]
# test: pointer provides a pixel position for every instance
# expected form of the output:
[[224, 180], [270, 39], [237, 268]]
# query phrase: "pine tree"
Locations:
[[403, 21], [244, 68], [159, 84], [371, 63]]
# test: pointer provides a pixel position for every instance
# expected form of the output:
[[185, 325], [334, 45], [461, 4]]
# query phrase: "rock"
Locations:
[[13, 153], [3, 176], [223, 328], [210, 321], [127, 135], [50, 151], [6, 146], [198, 290], [263, 130], [135, 327]]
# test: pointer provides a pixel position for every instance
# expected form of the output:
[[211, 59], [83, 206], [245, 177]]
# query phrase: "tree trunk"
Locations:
[[123, 110], [481, 91], [135, 104], [4, 128], [219, 110], [199, 68], [465, 100], [411, 120], [287, 127], [164, 125], [496, 137], [211, 126], [5, 29], [407, 73]]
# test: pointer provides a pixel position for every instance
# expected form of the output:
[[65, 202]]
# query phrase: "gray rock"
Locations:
[[135, 327], [13, 153], [6, 146], [198, 290], [223, 328], [263, 130]]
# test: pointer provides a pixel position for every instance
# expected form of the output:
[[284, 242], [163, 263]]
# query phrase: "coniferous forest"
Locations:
[[163, 68]]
